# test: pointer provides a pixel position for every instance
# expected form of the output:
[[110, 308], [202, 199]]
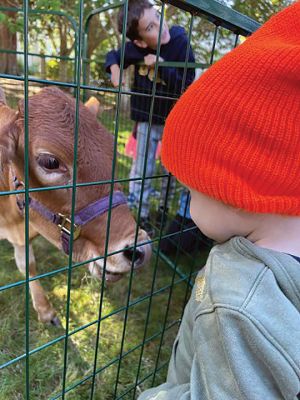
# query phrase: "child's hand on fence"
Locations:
[[115, 75], [150, 60]]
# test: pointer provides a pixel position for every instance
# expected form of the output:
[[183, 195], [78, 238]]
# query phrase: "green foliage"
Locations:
[[261, 10], [3, 18], [14, 24], [48, 5], [53, 68]]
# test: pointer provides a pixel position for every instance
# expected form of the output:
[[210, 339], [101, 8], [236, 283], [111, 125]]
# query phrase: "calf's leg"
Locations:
[[41, 304]]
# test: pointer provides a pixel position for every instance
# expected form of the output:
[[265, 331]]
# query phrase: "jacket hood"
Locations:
[[284, 267]]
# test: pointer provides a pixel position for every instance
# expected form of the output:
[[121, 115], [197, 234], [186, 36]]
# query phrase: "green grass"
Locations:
[[46, 365]]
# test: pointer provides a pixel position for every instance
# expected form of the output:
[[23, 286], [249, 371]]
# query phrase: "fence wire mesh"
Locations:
[[111, 341]]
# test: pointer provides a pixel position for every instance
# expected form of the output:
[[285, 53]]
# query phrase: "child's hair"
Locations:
[[136, 10]]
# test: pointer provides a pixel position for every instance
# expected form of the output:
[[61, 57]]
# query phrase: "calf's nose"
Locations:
[[137, 255]]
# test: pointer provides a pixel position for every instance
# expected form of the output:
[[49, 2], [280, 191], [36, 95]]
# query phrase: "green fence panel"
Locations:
[[113, 341]]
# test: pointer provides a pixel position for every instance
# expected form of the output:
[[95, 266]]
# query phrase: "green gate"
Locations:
[[114, 342]]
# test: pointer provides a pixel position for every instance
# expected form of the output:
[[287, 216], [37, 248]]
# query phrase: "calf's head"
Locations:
[[52, 123]]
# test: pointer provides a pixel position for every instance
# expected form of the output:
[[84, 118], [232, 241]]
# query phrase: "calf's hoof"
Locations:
[[49, 317]]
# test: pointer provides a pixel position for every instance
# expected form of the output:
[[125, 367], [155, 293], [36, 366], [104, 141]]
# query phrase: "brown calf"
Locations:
[[51, 123]]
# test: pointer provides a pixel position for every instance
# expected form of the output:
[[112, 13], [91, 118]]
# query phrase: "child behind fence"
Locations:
[[142, 30]]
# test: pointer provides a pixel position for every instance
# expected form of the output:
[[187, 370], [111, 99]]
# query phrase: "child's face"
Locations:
[[217, 220], [149, 29]]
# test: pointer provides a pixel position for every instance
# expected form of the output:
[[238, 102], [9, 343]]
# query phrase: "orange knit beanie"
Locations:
[[235, 133]]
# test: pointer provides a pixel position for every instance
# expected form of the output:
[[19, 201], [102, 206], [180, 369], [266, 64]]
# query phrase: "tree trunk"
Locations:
[[63, 64], [43, 68], [96, 34], [8, 41]]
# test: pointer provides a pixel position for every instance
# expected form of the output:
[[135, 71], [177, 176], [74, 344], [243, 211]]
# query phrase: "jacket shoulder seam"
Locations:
[[258, 325]]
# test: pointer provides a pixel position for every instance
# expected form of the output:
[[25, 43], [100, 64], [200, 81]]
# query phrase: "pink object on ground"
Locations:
[[131, 148]]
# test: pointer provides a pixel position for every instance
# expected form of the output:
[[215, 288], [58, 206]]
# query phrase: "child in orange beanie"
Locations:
[[234, 140]]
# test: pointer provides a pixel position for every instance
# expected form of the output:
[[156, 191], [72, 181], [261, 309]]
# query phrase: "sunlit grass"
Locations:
[[46, 365]]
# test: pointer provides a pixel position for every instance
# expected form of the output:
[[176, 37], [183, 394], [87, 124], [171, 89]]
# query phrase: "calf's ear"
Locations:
[[9, 133], [93, 105]]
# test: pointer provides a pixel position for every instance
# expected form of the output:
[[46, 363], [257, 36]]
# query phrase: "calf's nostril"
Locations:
[[135, 255]]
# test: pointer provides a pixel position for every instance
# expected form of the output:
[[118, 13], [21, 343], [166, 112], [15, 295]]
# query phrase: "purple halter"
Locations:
[[81, 218]]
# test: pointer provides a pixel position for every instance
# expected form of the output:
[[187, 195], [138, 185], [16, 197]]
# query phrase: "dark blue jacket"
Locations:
[[169, 83]]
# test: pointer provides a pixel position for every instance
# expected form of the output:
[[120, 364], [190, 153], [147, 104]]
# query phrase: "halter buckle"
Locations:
[[65, 226]]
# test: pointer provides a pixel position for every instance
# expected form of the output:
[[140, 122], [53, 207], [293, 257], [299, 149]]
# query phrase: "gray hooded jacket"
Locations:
[[240, 334]]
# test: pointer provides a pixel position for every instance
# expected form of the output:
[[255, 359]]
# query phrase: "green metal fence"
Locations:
[[114, 341]]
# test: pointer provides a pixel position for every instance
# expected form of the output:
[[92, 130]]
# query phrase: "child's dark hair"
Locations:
[[136, 10]]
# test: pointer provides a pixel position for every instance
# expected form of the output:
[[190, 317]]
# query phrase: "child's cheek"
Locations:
[[194, 211]]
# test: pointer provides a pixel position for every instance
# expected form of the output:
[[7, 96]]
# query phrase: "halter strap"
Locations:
[[81, 218]]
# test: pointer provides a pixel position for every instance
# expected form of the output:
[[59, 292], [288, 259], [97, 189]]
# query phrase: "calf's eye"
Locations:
[[48, 162]]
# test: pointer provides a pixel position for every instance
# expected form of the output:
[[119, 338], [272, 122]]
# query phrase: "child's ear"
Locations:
[[140, 43]]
